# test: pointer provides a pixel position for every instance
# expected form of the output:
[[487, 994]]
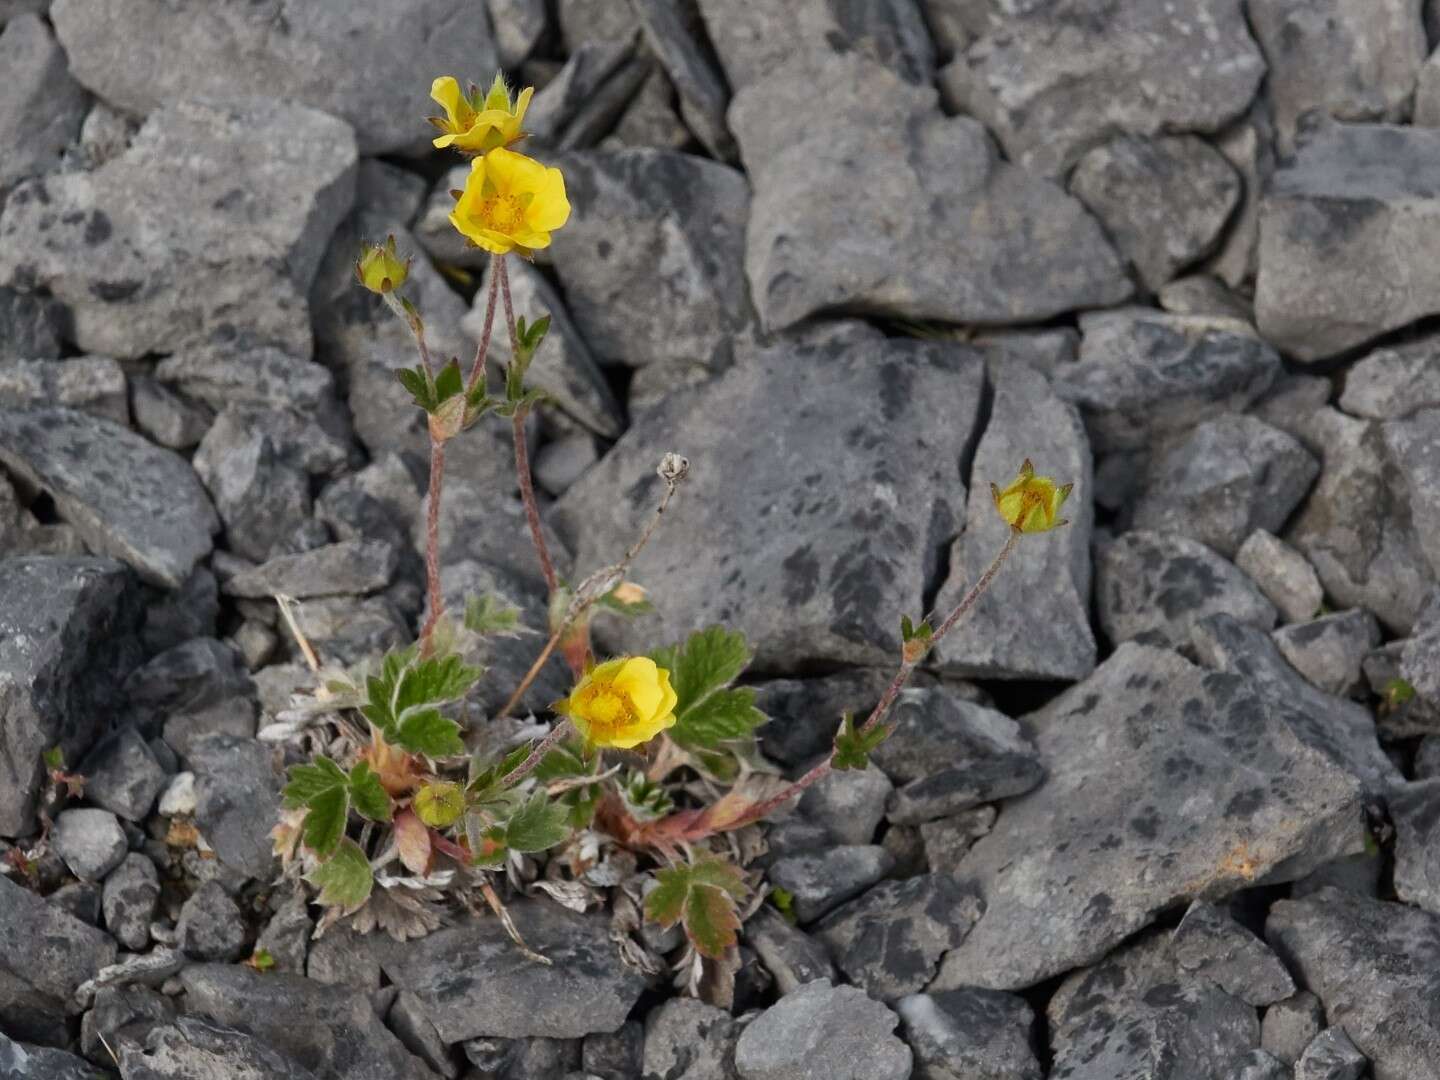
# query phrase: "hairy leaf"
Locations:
[[325, 820], [412, 839], [725, 714], [344, 880], [537, 825], [707, 713], [426, 732], [449, 382], [704, 897], [368, 795], [307, 781], [488, 615]]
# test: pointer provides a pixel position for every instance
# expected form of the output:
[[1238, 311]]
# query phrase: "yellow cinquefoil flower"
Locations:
[[510, 201], [1031, 504], [380, 269], [475, 125], [622, 702]]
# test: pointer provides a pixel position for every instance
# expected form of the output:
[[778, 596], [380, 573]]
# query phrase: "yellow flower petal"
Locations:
[[638, 680], [510, 201], [445, 92]]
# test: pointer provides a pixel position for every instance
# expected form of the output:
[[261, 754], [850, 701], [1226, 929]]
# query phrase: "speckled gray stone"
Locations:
[[823, 1032], [192, 1047], [211, 926], [689, 1040], [346, 568], [1291, 1025], [1331, 1056], [237, 799], [90, 840], [792, 956], [132, 892], [1282, 574], [1394, 381], [122, 775], [53, 951], [970, 1034], [42, 106], [1210, 944], [1330, 650], [849, 803], [820, 880], [1415, 811]]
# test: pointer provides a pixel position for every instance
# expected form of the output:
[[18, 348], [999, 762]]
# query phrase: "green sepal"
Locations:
[[910, 632], [853, 746], [449, 382]]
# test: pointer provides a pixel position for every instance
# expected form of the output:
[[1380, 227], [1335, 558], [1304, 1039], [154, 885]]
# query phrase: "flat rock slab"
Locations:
[[474, 982], [832, 525], [1164, 782], [346, 568], [191, 1048], [970, 1033], [125, 496], [836, 223], [823, 1032], [148, 264], [47, 947], [327, 56], [1376, 968]]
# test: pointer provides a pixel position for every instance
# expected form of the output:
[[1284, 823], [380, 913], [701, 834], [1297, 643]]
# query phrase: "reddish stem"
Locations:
[[477, 369], [432, 543], [527, 495]]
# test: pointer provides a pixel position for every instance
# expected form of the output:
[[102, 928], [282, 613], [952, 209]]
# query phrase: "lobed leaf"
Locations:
[[425, 731], [368, 794], [707, 711], [325, 820], [537, 825], [704, 896], [344, 880]]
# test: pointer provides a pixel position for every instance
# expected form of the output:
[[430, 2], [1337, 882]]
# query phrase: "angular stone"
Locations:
[[848, 803], [1394, 381], [1357, 528], [805, 713], [121, 1014], [408, 1020], [21, 1062], [615, 1055], [518, 25], [970, 1034], [1330, 650], [349, 630], [237, 801], [1376, 968], [821, 1030], [678, 40], [328, 1029], [689, 1040], [1164, 202], [1414, 445], [122, 775], [1034, 621], [1228, 477], [1258, 806], [165, 417], [1291, 1025], [1282, 574], [651, 119], [191, 1048], [1415, 811], [1343, 234], [1201, 294], [221, 376], [41, 107], [91, 842], [211, 926], [348, 568], [323, 57], [564, 366], [90, 384], [792, 956], [147, 265], [261, 498], [1211, 945], [821, 880], [1051, 80], [1162, 584], [577, 107], [1143, 374], [30, 326], [823, 577], [889, 940], [1353, 60], [560, 463], [132, 892], [45, 947], [946, 840], [812, 246], [674, 289], [1249, 146], [1331, 1056], [474, 982], [144, 506]]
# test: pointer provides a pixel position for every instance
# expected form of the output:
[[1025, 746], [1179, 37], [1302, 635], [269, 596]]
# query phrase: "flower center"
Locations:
[[607, 709], [502, 213]]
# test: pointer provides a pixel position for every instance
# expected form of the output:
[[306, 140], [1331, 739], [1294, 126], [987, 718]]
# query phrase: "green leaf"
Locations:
[[308, 781], [54, 758], [853, 746], [705, 897], [261, 960], [488, 615], [726, 714], [1398, 692], [784, 901], [368, 795], [911, 632], [537, 825], [449, 382], [415, 381], [425, 731], [487, 774], [325, 820], [435, 681], [706, 712], [345, 880]]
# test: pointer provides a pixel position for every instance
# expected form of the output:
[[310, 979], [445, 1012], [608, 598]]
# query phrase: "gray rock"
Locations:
[[576, 108], [318, 444], [145, 507], [31, 1015], [407, 1020], [1047, 351], [211, 926], [1329, 650], [594, 20], [1143, 375], [473, 982], [200, 672], [42, 106], [1164, 202], [19, 1061], [522, 1059], [1282, 574], [53, 951], [823, 578], [933, 729], [1415, 661], [651, 118], [380, 502], [970, 1034], [689, 1040], [674, 289], [805, 713], [1296, 404], [122, 775], [1342, 731], [1353, 60], [30, 326], [1211, 945], [1201, 294], [1162, 584], [329, 1030], [559, 464], [1050, 81], [1356, 528], [946, 840], [616, 1055], [1427, 758], [286, 936], [1394, 381], [792, 956], [889, 940], [1332, 274], [91, 384], [255, 642], [348, 630], [1374, 967], [678, 40], [237, 800], [1249, 146], [146, 265], [261, 498], [79, 898], [121, 1014], [518, 26], [563, 365], [1034, 622], [1206, 742], [793, 835], [823, 1031], [389, 190], [849, 803], [985, 775], [819, 881], [1228, 477], [326, 58], [132, 893], [347, 568], [1291, 1025], [165, 417], [1414, 446], [812, 247], [91, 842], [192, 1048], [1332, 1056], [344, 958], [1415, 812]]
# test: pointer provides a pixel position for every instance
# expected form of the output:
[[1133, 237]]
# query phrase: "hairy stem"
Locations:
[[477, 369], [503, 273], [527, 495], [432, 544], [543, 747]]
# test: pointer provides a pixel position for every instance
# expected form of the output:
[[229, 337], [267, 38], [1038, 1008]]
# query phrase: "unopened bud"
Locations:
[[380, 269], [673, 468]]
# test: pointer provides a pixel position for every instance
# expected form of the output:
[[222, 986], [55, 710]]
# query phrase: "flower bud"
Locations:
[[1031, 503], [673, 468], [380, 269]]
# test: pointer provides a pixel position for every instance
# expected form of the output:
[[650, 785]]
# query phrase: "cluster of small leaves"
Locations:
[[404, 701], [854, 745], [568, 766], [703, 896], [488, 617], [327, 794], [709, 712], [916, 639], [644, 799]]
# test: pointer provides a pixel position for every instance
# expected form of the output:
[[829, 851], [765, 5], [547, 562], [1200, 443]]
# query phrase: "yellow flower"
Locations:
[[475, 125], [380, 270], [510, 201], [1032, 502], [622, 702]]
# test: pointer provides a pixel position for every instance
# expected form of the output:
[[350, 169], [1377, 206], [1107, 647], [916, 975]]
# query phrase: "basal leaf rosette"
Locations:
[[621, 703]]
